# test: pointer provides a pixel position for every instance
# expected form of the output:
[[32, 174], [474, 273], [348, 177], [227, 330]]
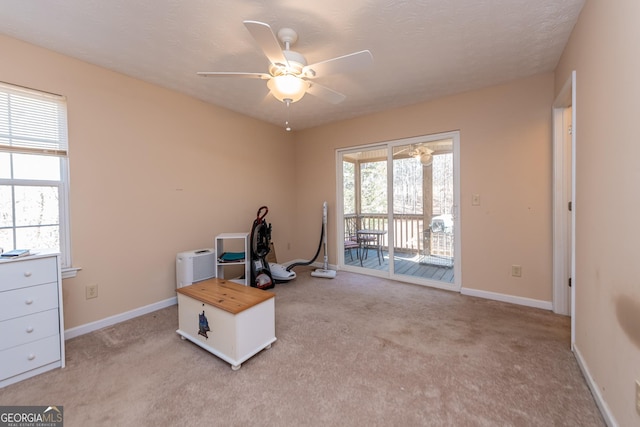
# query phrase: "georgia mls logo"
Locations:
[[31, 416]]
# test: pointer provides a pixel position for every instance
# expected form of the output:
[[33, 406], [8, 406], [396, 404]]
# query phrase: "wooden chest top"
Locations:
[[226, 295]]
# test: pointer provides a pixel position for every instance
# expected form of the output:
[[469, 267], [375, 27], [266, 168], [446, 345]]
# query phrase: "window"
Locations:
[[33, 171]]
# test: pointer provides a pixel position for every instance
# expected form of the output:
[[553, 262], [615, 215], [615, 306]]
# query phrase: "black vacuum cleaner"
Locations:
[[265, 274], [260, 241]]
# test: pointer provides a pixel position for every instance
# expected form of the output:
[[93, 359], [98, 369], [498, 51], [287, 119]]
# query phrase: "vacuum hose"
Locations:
[[296, 264]]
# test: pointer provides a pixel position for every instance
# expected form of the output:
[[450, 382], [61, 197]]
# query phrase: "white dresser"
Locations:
[[31, 321]]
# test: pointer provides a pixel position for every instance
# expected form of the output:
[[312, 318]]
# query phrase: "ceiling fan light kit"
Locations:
[[423, 154], [289, 75], [287, 86], [426, 159]]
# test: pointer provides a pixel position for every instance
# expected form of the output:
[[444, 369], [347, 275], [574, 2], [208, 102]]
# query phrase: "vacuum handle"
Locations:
[[259, 217], [324, 213]]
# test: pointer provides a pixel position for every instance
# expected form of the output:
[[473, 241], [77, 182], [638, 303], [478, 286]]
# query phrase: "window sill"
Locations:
[[70, 272]]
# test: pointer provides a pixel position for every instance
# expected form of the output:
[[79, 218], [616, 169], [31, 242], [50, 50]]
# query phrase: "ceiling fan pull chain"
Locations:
[[286, 124]]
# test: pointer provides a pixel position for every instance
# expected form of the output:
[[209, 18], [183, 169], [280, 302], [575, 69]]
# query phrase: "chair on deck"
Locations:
[[369, 241], [350, 244], [351, 239]]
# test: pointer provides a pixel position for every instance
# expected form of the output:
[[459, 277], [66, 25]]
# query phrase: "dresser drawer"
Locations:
[[25, 301], [28, 272], [25, 329], [29, 356]]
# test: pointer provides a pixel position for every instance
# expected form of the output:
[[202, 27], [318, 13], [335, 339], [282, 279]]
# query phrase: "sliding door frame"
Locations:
[[389, 145]]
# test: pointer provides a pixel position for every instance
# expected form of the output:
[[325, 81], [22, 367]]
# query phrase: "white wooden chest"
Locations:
[[240, 319]]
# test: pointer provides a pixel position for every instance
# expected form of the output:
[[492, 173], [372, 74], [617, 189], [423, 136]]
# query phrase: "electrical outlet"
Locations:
[[638, 396], [516, 270], [92, 291]]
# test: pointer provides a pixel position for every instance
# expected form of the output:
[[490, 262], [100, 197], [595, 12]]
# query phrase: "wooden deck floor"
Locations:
[[405, 264]]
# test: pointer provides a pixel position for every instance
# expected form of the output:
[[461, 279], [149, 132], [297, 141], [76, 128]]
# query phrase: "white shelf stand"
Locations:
[[233, 242]]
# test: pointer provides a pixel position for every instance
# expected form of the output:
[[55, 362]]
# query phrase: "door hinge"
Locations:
[[570, 130], [569, 281], [570, 206]]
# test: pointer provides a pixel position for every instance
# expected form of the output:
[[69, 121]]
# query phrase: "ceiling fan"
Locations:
[[289, 77], [418, 151], [424, 154]]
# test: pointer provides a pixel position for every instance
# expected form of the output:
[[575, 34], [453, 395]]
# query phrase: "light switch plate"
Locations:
[[516, 270]]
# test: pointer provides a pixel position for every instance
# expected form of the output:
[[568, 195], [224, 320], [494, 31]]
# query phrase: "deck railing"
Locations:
[[409, 231]]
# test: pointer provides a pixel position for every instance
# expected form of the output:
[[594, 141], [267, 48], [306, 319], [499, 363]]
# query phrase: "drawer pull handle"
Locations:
[[29, 329], [31, 356], [29, 302], [27, 274]]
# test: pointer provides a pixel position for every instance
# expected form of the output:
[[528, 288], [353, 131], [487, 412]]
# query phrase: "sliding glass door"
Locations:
[[365, 208], [399, 204], [423, 210]]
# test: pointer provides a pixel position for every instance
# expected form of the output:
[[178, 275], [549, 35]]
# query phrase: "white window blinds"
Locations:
[[32, 122]]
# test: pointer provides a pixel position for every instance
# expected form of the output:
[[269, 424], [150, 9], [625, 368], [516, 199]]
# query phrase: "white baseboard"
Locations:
[[109, 321], [529, 302], [595, 391]]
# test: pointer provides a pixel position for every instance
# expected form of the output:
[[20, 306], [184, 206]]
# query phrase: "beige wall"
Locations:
[[147, 166], [505, 139], [153, 173], [603, 51]]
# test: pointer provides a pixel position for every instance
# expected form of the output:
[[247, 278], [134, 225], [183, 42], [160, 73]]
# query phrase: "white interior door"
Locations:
[[564, 141]]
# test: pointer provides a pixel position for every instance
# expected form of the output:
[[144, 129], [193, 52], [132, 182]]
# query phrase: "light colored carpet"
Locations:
[[353, 351]]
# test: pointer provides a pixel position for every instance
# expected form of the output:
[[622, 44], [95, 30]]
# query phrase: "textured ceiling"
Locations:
[[422, 49]]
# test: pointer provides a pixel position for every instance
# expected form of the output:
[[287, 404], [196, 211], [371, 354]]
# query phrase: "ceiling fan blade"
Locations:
[[343, 64], [262, 76], [325, 93], [267, 41]]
